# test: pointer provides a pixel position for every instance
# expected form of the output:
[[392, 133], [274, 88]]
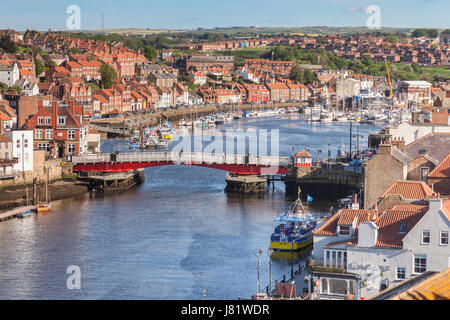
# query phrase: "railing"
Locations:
[[320, 266], [183, 158], [8, 162]]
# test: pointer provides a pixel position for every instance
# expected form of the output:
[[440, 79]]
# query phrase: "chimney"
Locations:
[[385, 149], [435, 204], [55, 113], [375, 213], [355, 204], [399, 143]]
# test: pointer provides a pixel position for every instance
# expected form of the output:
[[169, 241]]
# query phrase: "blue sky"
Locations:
[[181, 14]]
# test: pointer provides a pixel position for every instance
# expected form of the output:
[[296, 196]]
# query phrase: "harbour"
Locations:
[[211, 234]]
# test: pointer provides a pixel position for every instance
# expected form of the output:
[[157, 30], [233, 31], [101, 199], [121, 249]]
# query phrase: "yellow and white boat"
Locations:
[[294, 230]]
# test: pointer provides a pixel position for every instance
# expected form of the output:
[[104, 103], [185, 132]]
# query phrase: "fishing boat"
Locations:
[[294, 230]]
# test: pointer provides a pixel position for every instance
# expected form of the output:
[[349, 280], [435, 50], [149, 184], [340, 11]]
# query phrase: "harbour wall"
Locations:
[[323, 182]]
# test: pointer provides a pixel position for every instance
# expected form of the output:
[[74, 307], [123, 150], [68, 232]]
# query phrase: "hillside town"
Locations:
[[54, 93]]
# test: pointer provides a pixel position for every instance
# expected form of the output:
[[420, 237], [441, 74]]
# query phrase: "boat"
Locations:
[[134, 143], [294, 230], [26, 213], [46, 205], [43, 207]]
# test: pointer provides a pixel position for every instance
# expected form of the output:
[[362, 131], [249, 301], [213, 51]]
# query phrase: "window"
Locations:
[[401, 273], [47, 120], [424, 173], [338, 286], [49, 134], [443, 238], [18, 143], [71, 134], [420, 263], [25, 143], [62, 120], [402, 228], [70, 148], [38, 134], [324, 286], [40, 120], [425, 237], [344, 230]]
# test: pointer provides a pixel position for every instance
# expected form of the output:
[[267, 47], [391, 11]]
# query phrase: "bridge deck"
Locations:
[[133, 160]]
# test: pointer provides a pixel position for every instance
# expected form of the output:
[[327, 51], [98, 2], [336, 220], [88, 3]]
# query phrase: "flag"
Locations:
[[309, 198]]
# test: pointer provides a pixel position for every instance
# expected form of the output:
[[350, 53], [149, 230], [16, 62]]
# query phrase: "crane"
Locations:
[[389, 79]]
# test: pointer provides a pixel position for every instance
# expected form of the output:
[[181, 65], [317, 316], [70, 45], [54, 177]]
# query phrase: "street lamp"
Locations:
[[258, 253], [269, 253]]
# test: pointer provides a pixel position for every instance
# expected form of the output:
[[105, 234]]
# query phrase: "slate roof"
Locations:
[[435, 144]]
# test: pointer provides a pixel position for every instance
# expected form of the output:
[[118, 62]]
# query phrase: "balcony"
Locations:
[[320, 266], [8, 162]]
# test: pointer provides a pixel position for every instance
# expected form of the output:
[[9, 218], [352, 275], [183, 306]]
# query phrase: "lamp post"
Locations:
[[269, 253], [258, 253]]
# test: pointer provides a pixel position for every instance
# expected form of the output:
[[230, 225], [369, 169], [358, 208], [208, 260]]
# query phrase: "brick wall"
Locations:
[[380, 173]]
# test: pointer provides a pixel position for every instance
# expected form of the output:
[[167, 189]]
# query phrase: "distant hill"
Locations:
[[257, 30]]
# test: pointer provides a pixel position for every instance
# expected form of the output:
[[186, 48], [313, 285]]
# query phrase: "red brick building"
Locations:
[[56, 128]]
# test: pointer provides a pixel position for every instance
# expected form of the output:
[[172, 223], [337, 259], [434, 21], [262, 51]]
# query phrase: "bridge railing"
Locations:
[[183, 158]]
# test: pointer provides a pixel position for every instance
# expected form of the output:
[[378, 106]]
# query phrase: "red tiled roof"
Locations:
[[303, 154], [389, 225], [446, 208], [343, 216], [4, 117], [416, 190], [442, 170]]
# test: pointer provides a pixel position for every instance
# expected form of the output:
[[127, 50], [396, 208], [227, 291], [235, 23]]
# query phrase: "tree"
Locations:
[[150, 52], [39, 66], [109, 75], [416, 67], [296, 73], [7, 45], [49, 63], [392, 39]]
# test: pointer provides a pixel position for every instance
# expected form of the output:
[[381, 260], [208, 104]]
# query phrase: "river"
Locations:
[[170, 238]]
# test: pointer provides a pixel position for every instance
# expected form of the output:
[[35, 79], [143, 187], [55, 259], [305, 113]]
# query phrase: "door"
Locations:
[[60, 150]]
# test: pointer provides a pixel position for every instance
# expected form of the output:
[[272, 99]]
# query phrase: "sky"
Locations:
[[191, 14]]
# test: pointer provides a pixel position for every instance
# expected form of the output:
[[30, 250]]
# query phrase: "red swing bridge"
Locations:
[[120, 171], [234, 163]]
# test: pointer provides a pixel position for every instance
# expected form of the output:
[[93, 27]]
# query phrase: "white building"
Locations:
[[9, 74], [22, 142], [194, 98], [414, 91], [198, 77], [412, 132], [361, 252], [83, 140]]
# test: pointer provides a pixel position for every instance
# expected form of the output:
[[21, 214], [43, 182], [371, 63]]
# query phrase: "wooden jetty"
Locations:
[[13, 213]]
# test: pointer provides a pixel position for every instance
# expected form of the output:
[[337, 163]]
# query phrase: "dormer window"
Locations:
[[402, 228], [344, 230]]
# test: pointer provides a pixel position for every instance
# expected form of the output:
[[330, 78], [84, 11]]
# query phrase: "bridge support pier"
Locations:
[[245, 184], [112, 182]]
